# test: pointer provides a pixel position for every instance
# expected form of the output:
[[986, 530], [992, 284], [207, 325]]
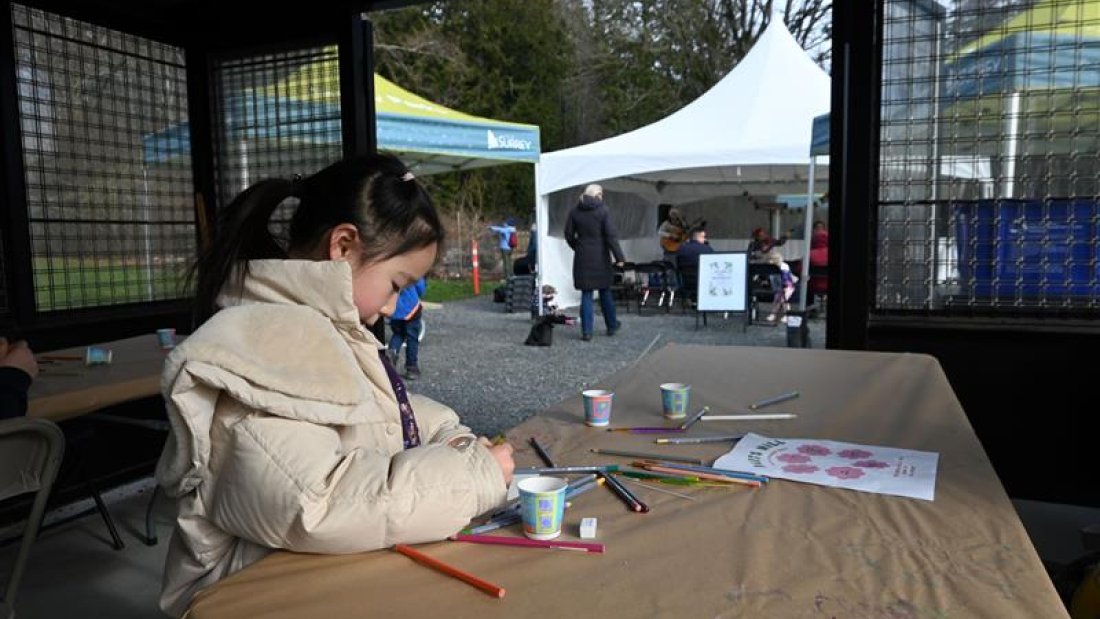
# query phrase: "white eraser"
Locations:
[[588, 528]]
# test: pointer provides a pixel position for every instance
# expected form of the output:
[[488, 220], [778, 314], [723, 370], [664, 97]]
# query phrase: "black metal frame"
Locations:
[[1005, 372], [204, 30]]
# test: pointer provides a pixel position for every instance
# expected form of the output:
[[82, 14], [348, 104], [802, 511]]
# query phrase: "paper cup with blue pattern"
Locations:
[[674, 400], [597, 406], [542, 503]]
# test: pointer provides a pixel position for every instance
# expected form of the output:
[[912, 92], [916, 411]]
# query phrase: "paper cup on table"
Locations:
[[166, 338], [597, 406], [542, 504], [674, 400]]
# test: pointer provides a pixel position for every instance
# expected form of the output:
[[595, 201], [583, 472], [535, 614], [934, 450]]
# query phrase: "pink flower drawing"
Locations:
[[871, 464], [854, 454], [800, 468], [793, 458], [815, 450], [844, 472]]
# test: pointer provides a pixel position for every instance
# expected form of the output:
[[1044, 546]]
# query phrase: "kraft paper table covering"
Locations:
[[134, 373], [787, 550]]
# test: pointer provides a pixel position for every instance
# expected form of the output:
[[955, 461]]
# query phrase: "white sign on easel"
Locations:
[[723, 282]]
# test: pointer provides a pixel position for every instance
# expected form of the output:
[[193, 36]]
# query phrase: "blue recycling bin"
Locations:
[[1028, 248]]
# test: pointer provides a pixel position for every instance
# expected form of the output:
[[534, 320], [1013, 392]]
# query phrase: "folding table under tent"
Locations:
[[749, 134]]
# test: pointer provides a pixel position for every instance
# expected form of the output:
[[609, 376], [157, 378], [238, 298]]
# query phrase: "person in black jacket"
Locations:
[[18, 368], [592, 236]]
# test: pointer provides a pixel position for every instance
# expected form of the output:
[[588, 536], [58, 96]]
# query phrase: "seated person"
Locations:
[[819, 258], [762, 244], [18, 368], [671, 233], [687, 257]]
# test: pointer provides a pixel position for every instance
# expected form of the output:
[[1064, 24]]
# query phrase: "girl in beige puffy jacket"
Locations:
[[290, 430]]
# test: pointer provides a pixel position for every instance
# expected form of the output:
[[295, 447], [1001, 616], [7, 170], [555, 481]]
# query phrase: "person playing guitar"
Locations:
[[674, 231]]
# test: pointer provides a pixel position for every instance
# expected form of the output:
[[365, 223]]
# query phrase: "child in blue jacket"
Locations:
[[405, 324]]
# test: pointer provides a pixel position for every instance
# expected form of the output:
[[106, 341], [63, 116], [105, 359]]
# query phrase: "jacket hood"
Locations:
[[324, 285], [590, 202]]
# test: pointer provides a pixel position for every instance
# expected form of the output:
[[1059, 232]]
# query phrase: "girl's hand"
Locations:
[[503, 455]]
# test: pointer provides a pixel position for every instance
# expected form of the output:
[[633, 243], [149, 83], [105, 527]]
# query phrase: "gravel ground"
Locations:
[[473, 358]]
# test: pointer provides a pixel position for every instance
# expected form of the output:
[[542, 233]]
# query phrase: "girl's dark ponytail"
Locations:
[[242, 233]]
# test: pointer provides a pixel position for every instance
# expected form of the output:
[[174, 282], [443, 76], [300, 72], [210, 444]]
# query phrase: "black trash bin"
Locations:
[[798, 330]]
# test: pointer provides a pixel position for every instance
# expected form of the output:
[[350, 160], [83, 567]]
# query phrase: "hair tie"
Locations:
[[407, 176]]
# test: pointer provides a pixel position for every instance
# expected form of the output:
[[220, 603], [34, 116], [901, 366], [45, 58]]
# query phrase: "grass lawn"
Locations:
[[443, 290]]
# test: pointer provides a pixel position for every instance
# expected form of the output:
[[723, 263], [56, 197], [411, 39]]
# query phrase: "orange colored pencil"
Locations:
[[419, 557]]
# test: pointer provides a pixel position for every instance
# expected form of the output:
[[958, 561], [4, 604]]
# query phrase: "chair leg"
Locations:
[[102, 507], [150, 526]]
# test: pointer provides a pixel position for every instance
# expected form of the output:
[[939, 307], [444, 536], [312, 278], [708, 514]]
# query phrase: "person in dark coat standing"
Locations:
[[592, 236]]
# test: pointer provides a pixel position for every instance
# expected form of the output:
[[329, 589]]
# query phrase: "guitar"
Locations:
[[671, 244]]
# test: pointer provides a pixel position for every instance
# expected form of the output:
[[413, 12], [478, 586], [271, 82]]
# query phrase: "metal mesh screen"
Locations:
[[110, 221], [989, 194], [277, 115]]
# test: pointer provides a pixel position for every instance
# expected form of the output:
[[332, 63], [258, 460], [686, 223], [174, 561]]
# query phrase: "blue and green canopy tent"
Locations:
[[305, 107], [1040, 67], [1029, 86]]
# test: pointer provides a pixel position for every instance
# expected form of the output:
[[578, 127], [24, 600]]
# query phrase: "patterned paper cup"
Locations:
[[674, 400], [166, 338], [542, 503], [597, 406]]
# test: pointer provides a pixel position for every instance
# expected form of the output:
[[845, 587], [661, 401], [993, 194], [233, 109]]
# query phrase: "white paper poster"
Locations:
[[867, 468]]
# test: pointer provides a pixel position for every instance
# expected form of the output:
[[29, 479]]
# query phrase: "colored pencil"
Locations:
[[776, 400], [53, 372], [649, 487], [470, 579], [687, 468], [542, 453], [639, 454], [693, 440], [707, 476], [690, 422], [651, 430], [758, 417], [530, 543], [633, 502], [559, 470], [661, 476]]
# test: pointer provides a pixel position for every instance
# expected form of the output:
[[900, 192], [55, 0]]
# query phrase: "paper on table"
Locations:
[[867, 468]]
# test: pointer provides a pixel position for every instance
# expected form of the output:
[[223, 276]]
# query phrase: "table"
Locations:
[[134, 373], [787, 550]]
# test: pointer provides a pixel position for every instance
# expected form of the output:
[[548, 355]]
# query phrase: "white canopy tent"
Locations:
[[747, 135]]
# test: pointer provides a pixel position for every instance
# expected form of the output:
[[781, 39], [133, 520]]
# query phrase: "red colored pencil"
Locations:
[[532, 543], [419, 557], [61, 357]]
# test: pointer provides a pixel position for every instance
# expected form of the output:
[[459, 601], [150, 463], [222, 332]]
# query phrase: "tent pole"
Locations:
[[807, 231], [1012, 136], [541, 220]]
